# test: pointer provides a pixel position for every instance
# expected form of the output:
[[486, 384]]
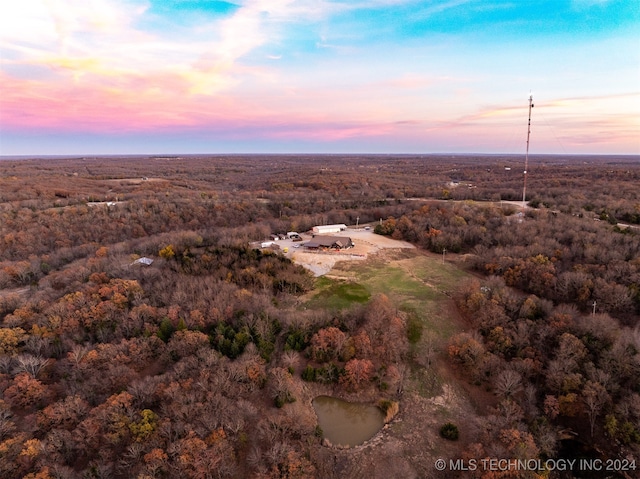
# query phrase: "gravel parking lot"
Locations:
[[320, 263]]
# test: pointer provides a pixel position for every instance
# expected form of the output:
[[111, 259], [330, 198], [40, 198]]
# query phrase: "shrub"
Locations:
[[166, 330], [384, 405], [297, 340], [329, 374], [309, 374], [450, 431], [167, 252], [285, 397], [389, 408]]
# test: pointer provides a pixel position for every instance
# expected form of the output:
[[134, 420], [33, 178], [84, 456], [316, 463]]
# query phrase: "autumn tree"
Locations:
[[10, 339], [327, 344], [357, 372], [27, 392]]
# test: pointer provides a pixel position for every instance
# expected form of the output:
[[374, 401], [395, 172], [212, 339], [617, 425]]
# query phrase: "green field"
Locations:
[[417, 284], [337, 295]]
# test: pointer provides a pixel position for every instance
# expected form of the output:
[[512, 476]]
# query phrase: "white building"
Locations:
[[144, 260], [326, 229]]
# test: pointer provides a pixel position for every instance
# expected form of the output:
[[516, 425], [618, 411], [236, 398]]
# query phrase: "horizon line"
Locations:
[[168, 155]]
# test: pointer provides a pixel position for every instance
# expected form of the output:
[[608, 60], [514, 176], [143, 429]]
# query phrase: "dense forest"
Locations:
[[201, 364]]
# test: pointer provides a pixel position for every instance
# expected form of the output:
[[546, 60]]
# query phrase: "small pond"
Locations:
[[347, 424]]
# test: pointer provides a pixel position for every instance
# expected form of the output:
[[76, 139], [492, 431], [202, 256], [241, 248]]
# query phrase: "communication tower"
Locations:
[[526, 157]]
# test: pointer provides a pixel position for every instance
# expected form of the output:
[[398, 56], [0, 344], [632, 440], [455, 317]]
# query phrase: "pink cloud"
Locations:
[[134, 103], [164, 100], [125, 103]]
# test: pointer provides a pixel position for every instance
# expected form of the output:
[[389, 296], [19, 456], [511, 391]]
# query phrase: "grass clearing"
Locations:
[[337, 294], [419, 284]]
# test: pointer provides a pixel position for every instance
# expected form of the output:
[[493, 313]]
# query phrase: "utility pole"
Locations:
[[594, 308], [526, 157], [444, 250], [357, 221]]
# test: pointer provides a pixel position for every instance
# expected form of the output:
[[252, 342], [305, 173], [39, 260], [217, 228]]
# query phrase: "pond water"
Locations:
[[347, 424]]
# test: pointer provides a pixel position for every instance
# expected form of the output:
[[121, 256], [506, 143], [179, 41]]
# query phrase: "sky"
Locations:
[[80, 77]]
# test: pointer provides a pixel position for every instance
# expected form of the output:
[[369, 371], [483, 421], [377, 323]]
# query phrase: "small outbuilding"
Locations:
[[144, 261]]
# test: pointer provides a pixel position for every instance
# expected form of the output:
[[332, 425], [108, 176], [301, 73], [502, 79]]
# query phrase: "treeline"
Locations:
[[567, 355], [46, 213], [553, 370], [562, 258], [46, 205], [195, 366], [39, 235]]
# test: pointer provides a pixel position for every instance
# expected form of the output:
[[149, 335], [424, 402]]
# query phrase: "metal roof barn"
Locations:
[[325, 229]]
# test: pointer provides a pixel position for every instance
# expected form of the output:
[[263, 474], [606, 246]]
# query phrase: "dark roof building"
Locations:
[[338, 242]]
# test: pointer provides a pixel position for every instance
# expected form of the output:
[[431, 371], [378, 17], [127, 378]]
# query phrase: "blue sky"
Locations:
[[313, 76]]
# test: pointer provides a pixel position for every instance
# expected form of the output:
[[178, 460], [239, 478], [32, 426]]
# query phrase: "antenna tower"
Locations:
[[526, 157]]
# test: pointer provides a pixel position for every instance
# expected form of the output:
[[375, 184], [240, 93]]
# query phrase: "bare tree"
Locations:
[[277, 452], [529, 402], [32, 365], [6, 364], [547, 440], [508, 383], [77, 353], [143, 390], [595, 396], [131, 457], [256, 460], [290, 359], [7, 426], [510, 411]]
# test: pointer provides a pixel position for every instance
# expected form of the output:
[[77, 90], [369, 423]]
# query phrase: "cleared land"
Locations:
[[420, 285], [366, 243]]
